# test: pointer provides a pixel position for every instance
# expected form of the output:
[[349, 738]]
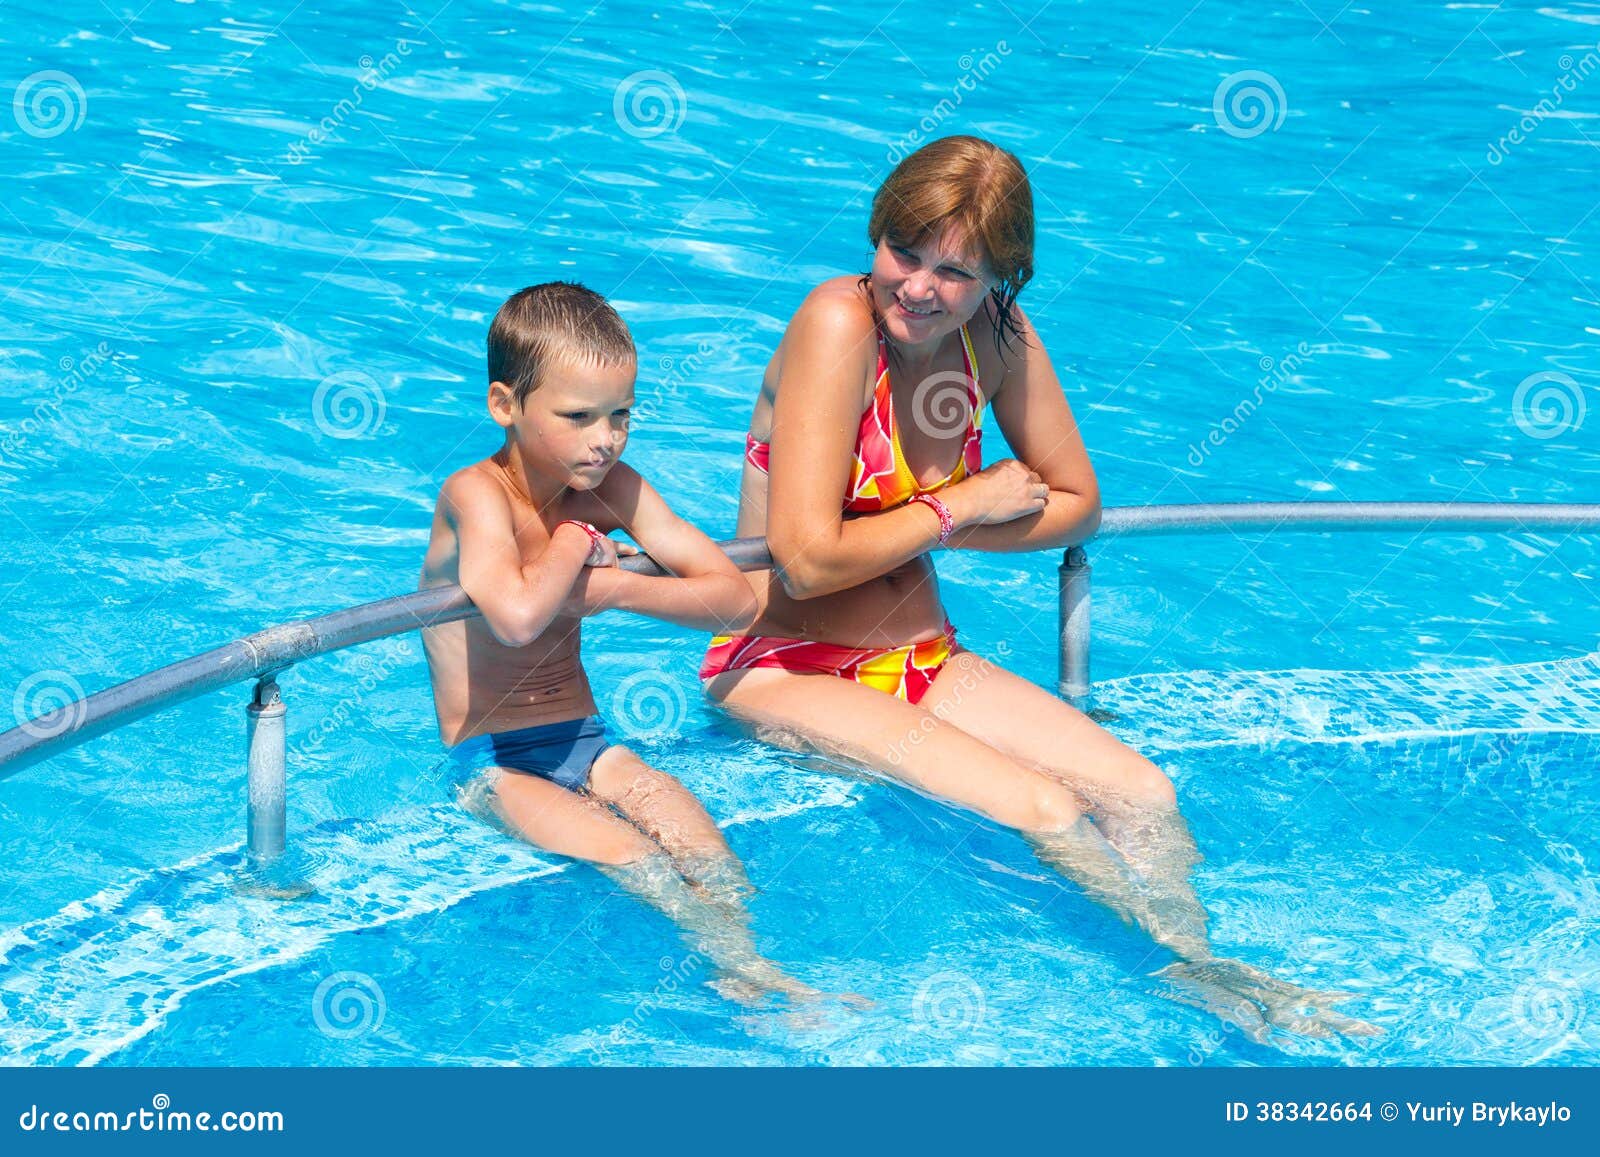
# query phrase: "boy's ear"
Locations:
[[502, 403]]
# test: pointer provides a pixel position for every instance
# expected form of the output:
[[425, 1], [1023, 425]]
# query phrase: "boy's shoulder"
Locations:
[[472, 489]]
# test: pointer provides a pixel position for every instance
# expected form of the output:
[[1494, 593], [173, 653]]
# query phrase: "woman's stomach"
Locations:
[[892, 610]]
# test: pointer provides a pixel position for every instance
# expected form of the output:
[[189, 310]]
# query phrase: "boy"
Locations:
[[524, 533]]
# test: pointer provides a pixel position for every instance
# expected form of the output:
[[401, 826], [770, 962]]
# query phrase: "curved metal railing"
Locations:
[[263, 655]]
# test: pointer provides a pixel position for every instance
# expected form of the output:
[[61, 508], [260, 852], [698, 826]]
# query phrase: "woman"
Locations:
[[863, 457]]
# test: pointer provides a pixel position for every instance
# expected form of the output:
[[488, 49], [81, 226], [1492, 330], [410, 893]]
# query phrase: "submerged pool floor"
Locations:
[[1421, 841]]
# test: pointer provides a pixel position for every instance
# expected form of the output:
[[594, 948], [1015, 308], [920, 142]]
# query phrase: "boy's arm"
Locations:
[[518, 602], [704, 591]]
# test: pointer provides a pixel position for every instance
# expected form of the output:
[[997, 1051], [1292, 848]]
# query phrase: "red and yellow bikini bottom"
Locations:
[[904, 672]]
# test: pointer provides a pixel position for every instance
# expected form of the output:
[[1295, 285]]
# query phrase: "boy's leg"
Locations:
[[567, 823], [579, 824], [671, 815]]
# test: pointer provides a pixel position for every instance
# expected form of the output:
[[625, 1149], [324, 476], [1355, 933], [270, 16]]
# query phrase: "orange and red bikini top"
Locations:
[[880, 478]]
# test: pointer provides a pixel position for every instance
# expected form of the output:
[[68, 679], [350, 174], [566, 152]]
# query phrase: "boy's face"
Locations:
[[572, 428]]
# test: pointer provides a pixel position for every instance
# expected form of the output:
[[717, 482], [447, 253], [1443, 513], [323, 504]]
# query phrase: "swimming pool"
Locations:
[[247, 297]]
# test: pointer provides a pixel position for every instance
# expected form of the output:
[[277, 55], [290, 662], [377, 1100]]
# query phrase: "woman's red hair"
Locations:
[[979, 189]]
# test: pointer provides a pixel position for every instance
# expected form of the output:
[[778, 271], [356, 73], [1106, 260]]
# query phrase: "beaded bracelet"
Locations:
[[947, 521]]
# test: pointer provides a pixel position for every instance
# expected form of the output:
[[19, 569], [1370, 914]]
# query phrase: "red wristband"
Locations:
[[947, 521], [594, 534]]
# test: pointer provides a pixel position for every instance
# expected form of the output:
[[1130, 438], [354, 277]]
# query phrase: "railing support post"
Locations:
[[267, 776], [1074, 683]]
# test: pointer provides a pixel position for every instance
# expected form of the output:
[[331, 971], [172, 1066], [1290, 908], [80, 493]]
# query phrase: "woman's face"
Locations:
[[928, 289]]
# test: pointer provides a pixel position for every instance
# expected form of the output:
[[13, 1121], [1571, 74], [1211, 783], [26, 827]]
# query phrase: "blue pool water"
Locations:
[[250, 257]]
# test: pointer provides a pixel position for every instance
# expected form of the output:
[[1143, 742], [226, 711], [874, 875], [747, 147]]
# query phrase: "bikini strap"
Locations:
[[975, 391], [881, 382]]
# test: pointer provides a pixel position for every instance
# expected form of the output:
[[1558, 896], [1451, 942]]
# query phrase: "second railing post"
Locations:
[[1073, 681]]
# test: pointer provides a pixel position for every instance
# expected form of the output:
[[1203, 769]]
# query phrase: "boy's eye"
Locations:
[[623, 413], [577, 415]]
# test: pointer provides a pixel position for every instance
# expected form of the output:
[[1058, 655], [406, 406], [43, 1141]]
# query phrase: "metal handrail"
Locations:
[[262, 655], [1073, 679], [1318, 516]]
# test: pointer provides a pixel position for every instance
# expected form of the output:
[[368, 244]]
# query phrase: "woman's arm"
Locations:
[[1032, 411], [829, 350]]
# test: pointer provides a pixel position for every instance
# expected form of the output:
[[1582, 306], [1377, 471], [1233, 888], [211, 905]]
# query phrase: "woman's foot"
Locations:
[[1257, 1003]]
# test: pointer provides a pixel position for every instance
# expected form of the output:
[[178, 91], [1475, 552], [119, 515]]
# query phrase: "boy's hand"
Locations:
[[603, 551], [607, 550]]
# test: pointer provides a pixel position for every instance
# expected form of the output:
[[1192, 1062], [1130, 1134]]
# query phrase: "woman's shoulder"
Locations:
[[837, 309], [831, 337]]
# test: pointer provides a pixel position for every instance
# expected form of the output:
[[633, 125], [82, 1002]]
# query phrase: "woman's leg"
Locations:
[[846, 720], [1132, 801], [914, 745]]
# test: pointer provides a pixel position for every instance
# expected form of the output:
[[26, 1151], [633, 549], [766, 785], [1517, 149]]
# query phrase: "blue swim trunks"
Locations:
[[562, 752]]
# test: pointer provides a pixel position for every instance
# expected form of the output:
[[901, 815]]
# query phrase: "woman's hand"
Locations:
[[1003, 492]]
